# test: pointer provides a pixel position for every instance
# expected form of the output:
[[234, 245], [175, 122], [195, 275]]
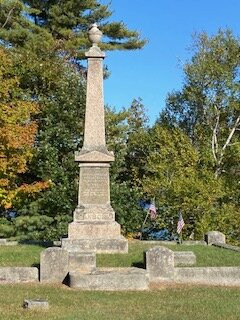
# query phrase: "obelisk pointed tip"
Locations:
[[94, 34]]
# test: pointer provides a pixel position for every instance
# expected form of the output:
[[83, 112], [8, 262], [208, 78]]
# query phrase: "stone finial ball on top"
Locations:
[[94, 34]]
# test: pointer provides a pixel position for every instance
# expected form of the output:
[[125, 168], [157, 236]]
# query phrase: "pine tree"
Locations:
[[64, 24]]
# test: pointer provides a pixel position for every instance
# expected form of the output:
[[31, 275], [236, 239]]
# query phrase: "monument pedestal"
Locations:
[[94, 227]]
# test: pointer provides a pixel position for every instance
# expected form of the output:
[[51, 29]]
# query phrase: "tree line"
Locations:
[[188, 160]]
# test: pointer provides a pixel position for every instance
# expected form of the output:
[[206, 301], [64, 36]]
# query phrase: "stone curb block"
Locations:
[[18, 274], [226, 276]]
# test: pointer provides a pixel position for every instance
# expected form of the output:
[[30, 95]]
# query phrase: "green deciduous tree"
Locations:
[[17, 135], [207, 109], [126, 135], [208, 106], [60, 130], [175, 178]]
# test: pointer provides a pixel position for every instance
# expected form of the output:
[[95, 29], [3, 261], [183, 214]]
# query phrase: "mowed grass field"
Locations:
[[160, 303], [179, 303], [207, 256]]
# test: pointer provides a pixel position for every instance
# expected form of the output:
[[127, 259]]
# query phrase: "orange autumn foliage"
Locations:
[[17, 135]]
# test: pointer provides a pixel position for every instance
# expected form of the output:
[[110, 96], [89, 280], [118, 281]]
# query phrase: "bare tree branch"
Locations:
[[236, 124], [214, 136], [8, 17]]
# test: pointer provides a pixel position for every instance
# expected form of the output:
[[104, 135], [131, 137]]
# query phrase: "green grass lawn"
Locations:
[[180, 303], [29, 255], [207, 256], [20, 255], [162, 303]]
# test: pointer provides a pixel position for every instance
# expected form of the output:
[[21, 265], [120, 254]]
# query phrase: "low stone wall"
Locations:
[[194, 242], [18, 274], [226, 246], [161, 268], [229, 276], [173, 242], [6, 242]]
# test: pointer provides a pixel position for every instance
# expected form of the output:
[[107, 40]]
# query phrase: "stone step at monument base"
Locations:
[[84, 262], [94, 213], [94, 230], [110, 279], [117, 245]]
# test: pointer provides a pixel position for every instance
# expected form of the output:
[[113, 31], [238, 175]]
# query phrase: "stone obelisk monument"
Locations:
[[94, 226]]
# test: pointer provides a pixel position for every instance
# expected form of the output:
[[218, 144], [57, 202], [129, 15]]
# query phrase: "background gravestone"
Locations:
[[215, 237]]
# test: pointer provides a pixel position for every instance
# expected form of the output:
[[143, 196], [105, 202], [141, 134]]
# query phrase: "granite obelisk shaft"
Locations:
[[94, 132]]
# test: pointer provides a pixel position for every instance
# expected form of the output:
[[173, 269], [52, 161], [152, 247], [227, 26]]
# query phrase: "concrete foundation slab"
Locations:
[[111, 279]]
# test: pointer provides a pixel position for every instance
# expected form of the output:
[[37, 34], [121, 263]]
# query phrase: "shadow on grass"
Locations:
[[138, 264], [44, 244], [36, 265]]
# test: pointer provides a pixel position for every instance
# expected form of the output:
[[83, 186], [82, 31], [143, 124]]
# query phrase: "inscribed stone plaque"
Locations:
[[94, 185]]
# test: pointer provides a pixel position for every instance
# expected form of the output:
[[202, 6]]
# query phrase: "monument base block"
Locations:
[[117, 245], [93, 230]]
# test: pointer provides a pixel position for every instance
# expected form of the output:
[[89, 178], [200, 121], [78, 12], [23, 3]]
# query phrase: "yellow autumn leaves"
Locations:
[[17, 135]]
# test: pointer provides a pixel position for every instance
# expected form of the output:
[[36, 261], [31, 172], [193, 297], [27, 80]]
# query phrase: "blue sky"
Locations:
[[168, 25]]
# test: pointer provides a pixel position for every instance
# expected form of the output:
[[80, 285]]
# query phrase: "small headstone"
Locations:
[[215, 237], [35, 304], [53, 265], [3, 241], [159, 262]]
